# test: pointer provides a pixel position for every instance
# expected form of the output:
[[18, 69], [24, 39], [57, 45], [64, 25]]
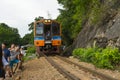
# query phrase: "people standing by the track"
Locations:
[[2, 71], [6, 55], [19, 57], [22, 53], [6, 52], [8, 58], [12, 52], [14, 59]]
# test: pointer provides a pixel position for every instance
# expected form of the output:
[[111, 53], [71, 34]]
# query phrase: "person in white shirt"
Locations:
[[14, 58]]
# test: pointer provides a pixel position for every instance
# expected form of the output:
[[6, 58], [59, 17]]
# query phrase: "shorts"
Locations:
[[15, 61]]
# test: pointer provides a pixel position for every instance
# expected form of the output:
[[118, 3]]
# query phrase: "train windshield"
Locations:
[[55, 28], [39, 29]]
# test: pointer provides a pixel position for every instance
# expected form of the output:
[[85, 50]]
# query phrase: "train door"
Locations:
[[47, 31]]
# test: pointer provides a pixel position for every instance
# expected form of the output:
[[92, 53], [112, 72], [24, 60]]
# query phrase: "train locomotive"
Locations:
[[47, 36]]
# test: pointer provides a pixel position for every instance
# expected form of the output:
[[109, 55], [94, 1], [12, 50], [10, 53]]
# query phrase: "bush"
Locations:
[[31, 49], [103, 58], [77, 53]]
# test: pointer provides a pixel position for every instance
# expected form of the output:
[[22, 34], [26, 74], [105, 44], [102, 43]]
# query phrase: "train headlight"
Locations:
[[49, 20], [46, 20]]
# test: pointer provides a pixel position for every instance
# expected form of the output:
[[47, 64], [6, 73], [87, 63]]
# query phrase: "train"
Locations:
[[47, 36]]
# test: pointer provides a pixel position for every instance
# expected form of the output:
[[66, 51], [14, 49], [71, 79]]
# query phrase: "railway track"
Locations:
[[93, 72], [67, 74], [64, 72]]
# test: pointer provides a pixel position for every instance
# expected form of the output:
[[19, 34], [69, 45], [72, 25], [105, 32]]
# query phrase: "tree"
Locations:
[[28, 39], [31, 25], [8, 34], [66, 19], [74, 14]]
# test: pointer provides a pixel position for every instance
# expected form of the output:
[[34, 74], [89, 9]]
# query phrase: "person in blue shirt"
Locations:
[[6, 52]]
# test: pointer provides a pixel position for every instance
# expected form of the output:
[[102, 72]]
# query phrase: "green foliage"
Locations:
[[103, 58], [31, 50], [96, 11], [31, 25], [28, 38], [66, 19], [9, 35], [30, 53], [75, 13]]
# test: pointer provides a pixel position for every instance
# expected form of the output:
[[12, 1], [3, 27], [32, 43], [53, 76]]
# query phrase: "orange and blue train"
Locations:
[[47, 36]]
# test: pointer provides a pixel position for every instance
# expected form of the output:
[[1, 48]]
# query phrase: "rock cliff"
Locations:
[[105, 33]]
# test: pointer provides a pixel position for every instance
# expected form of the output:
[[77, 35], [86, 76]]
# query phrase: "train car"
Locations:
[[47, 36]]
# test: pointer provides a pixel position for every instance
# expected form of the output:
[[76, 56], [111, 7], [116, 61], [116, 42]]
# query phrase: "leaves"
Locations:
[[31, 25], [28, 38], [103, 58], [31, 49], [8, 34], [75, 13]]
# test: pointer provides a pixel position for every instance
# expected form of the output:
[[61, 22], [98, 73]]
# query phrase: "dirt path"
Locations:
[[40, 69]]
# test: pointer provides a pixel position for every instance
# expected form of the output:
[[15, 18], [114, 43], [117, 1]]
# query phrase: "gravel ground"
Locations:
[[40, 69], [114, 74]]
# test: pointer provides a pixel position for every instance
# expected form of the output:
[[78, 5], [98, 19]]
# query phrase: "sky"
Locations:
[[19, 13]]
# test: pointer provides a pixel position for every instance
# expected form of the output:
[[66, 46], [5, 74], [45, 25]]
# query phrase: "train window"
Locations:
[[39, 28], [55, 28]]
